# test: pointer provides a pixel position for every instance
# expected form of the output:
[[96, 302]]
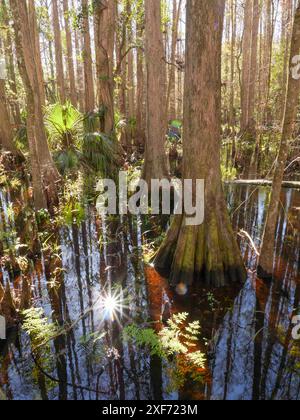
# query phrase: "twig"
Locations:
[[244, 233]]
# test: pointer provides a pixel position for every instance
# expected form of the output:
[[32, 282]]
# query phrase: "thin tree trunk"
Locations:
[[249, 73], [87, 61], [233, 7], [171, 93], [71, 71], [6, 131], [104, 16], [267, 61], [121, 70], [36, 42], [8, 45], [79, 70], [130, 77], [58, 53], [140, 80], [266, 260]]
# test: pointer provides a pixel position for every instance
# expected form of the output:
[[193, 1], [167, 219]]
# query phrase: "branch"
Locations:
[[123, 56]]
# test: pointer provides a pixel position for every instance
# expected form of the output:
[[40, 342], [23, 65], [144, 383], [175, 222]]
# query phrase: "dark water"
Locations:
[[251, 352]]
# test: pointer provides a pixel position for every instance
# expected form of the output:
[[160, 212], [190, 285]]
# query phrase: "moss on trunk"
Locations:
[[208, 253]]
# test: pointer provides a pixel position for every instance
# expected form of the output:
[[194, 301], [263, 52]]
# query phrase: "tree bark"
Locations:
[[58, 53], [8, 45], [104, 42], [79, 69], [130, 78], [44, 174], [71, 71], [171, 93], [233, 8], [266, 260], [6, 131], [249, 73], [36, 43], [87, 61], [155, 165], [207, 253], [140, 85]]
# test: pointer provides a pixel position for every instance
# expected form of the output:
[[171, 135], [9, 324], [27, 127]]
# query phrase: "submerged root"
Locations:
[[208, 254]]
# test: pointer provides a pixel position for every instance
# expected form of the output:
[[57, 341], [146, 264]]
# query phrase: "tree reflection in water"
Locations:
[[251, 355]]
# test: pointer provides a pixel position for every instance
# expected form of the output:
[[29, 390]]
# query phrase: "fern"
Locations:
[[144, 338], [38, 327], [175, 339]]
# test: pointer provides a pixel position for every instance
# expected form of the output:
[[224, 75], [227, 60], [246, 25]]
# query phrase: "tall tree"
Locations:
[[6, 132], [71, 71], [37, 52], [104, 16], [140, 85], [130, 74], [60, 80], [266, 260], [249, 74], [267, 45], [171, 93], [44, 173], [233, 12], [155, 165], [208, 252], [10, 62], [87, 60]]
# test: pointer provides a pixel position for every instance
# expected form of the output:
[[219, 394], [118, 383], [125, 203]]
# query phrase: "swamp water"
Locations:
[[250, 350]]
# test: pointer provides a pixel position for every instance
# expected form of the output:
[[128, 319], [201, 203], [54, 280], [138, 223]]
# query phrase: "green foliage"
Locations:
[[99, 151], [94, 347], [21, 140], [72, 204], [145, 337], [176, 344], [64, 125], [228, 174], [176, 338], [40, 330], [212, 301], [66, 160]]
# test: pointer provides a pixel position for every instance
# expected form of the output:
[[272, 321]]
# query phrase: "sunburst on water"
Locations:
[[112, 305]]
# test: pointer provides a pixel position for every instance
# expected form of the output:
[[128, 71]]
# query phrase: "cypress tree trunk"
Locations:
[[87, 61], [266, 260], [130, 77], [207, 253], [6, 132], [249, 72], [155, 165], [45, 175], [171, 94], [233, 8], [36, 43], [58, 53], [9, 55], [104, 16], [140, 79], [71, 71]]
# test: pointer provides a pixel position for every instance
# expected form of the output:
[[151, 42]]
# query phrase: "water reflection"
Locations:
[[251, 355]]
